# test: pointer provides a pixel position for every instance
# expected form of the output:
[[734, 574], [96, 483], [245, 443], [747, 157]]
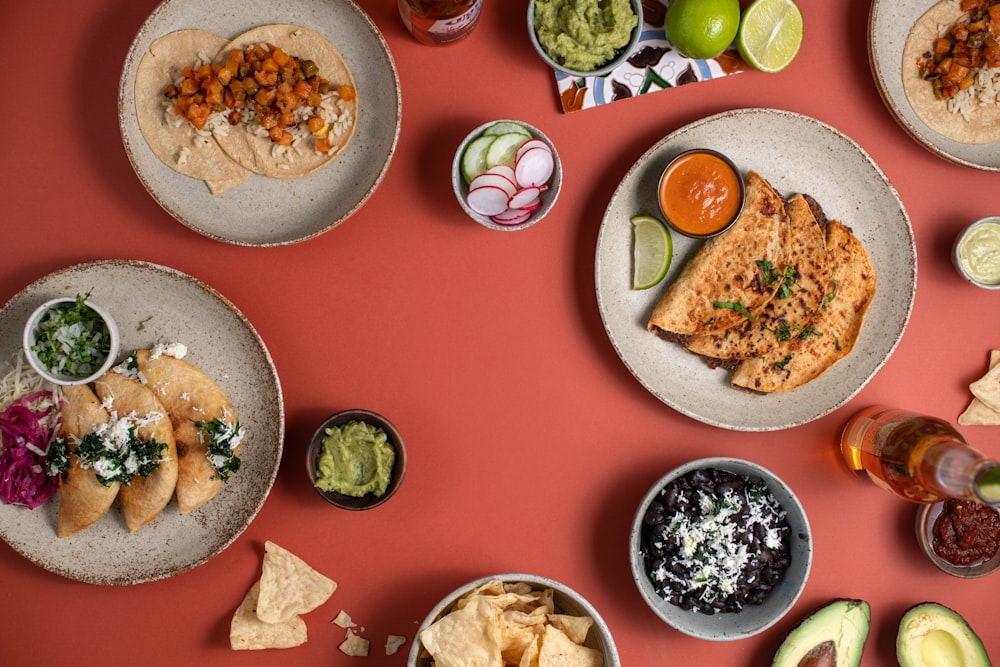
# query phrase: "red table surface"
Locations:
[[529, 442]]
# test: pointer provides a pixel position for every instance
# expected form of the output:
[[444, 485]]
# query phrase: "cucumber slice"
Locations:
[[504, 149], [474, 157], [506, 127]]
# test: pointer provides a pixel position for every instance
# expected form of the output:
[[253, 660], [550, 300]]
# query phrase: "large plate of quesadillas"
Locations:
[[156, 305], [802, 156]]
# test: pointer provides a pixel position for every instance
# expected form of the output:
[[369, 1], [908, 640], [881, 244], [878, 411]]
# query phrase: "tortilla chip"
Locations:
[[722, 283], [166, 133], [558, 650], [354, 645], [466, 636], [82, 499], [393, 644], [143, 498], [288, 586], [793, 307], [247, 632], [833, 332], [256, 152], [984, 126], [575, 627], [987, 388], [978, 413], [343, 619]]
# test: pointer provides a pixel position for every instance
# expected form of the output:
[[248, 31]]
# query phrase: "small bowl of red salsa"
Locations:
[[960, 537], [701, 193]]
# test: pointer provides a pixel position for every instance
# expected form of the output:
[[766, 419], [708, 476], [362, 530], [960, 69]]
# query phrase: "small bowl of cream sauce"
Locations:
[[976, 253]]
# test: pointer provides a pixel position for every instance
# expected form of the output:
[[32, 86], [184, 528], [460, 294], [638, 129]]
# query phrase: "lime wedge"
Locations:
[[651, 251], [988, 484], [770, 34]]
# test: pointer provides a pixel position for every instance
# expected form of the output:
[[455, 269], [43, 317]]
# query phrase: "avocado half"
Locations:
[[932, 635], [834, 635]]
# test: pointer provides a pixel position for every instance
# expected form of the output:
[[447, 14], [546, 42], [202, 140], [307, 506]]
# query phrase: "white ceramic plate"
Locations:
[[155, 304], [266, 211], [796, 154], [889, 24]]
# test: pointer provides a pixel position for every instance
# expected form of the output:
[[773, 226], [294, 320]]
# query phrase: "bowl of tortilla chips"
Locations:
[[520, 619]]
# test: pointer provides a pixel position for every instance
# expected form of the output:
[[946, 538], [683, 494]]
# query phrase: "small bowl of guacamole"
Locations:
[[585, 37], [356, 459]]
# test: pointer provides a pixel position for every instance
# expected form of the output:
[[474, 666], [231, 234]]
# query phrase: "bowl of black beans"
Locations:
[[720, 548]]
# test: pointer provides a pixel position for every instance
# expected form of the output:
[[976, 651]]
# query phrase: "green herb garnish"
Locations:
[[72, 339], [734, 305], [780, 365], [222, 441], [119, 459], [771, 276]]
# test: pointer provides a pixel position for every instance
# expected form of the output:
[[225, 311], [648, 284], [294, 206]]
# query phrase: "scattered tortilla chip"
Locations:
[[354, 645], [288, 586], [343, 619], [987, 388], [393, 643], [979, 413], [247, 632], [558, 650]]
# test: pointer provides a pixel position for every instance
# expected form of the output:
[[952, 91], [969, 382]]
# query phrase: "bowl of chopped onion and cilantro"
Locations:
[[71, 340]]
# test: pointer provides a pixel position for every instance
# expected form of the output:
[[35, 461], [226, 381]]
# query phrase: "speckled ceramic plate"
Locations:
[[154, 304], [266, 211], [796, 154], [889, 24]]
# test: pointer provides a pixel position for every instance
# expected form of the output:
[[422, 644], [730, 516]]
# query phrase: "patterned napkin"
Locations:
[[655, 65]]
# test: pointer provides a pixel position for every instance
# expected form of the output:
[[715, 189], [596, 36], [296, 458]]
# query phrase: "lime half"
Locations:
[[770, 34], [988, 484], [651, 251]]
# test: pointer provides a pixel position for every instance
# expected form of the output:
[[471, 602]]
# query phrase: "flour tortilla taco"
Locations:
[[983, 124], [171, 138], [253, 148]]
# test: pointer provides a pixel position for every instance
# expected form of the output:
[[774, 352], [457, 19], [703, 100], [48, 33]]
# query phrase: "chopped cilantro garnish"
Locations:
[[734, 305], [786, 276], [222, 441], [72, 339], [781, 365]]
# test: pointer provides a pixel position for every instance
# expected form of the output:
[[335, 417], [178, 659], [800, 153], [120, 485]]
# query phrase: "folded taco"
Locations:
[[935, 51]]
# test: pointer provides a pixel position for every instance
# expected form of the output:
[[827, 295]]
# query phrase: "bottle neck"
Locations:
[[954, 469], [987, 482]]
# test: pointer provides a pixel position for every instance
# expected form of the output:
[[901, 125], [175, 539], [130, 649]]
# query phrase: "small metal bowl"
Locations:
[[926, 516], [29, 340], [566, 600], [605, 68], [547, 197], [676, 225], [956, 251], [369, 500], [752, 619]]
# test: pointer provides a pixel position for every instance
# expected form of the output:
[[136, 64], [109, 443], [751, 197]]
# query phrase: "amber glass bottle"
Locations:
[[920, 458], [439, 22]]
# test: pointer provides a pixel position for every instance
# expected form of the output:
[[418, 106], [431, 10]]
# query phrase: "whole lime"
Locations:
[[702, 28]]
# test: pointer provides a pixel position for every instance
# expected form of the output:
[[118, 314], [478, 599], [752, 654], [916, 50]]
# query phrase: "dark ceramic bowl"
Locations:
[[368, 500]]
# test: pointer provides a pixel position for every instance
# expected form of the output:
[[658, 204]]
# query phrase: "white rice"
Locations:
[[985, 91]]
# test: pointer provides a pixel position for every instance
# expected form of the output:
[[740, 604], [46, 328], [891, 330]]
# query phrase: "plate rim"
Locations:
[[646, 157], [156, 574], [126, 110], [916, 128]]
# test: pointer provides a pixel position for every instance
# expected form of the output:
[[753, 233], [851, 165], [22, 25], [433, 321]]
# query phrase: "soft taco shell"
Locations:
[[82, 499], [167, 134], [984, 126], [850, 291], [724, 269], [143, 498], [256, 152], [189, 396], [805, 251]]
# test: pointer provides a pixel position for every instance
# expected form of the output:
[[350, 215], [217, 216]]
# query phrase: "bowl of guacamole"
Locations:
[[584, 37], [356, 459]]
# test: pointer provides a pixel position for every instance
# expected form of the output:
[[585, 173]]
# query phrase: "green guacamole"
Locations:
[[584, 34], [356, 459]]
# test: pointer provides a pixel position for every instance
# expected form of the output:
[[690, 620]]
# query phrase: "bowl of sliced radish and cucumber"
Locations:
[[506, 175]]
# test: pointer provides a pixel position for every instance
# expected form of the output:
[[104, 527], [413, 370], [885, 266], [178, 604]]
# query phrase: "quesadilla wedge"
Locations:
[[944, 115], [723, 284], [832, 333], [250, 144], [204, 421], [802, 284], [144, 496], [83, 499], [172, 139]]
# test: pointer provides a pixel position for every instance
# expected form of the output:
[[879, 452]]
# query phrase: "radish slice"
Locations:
[[532, 206], [503, 170], [488, 200], [528, 145], [524, 197], [493, 180], [511, 217], [534, 167]]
